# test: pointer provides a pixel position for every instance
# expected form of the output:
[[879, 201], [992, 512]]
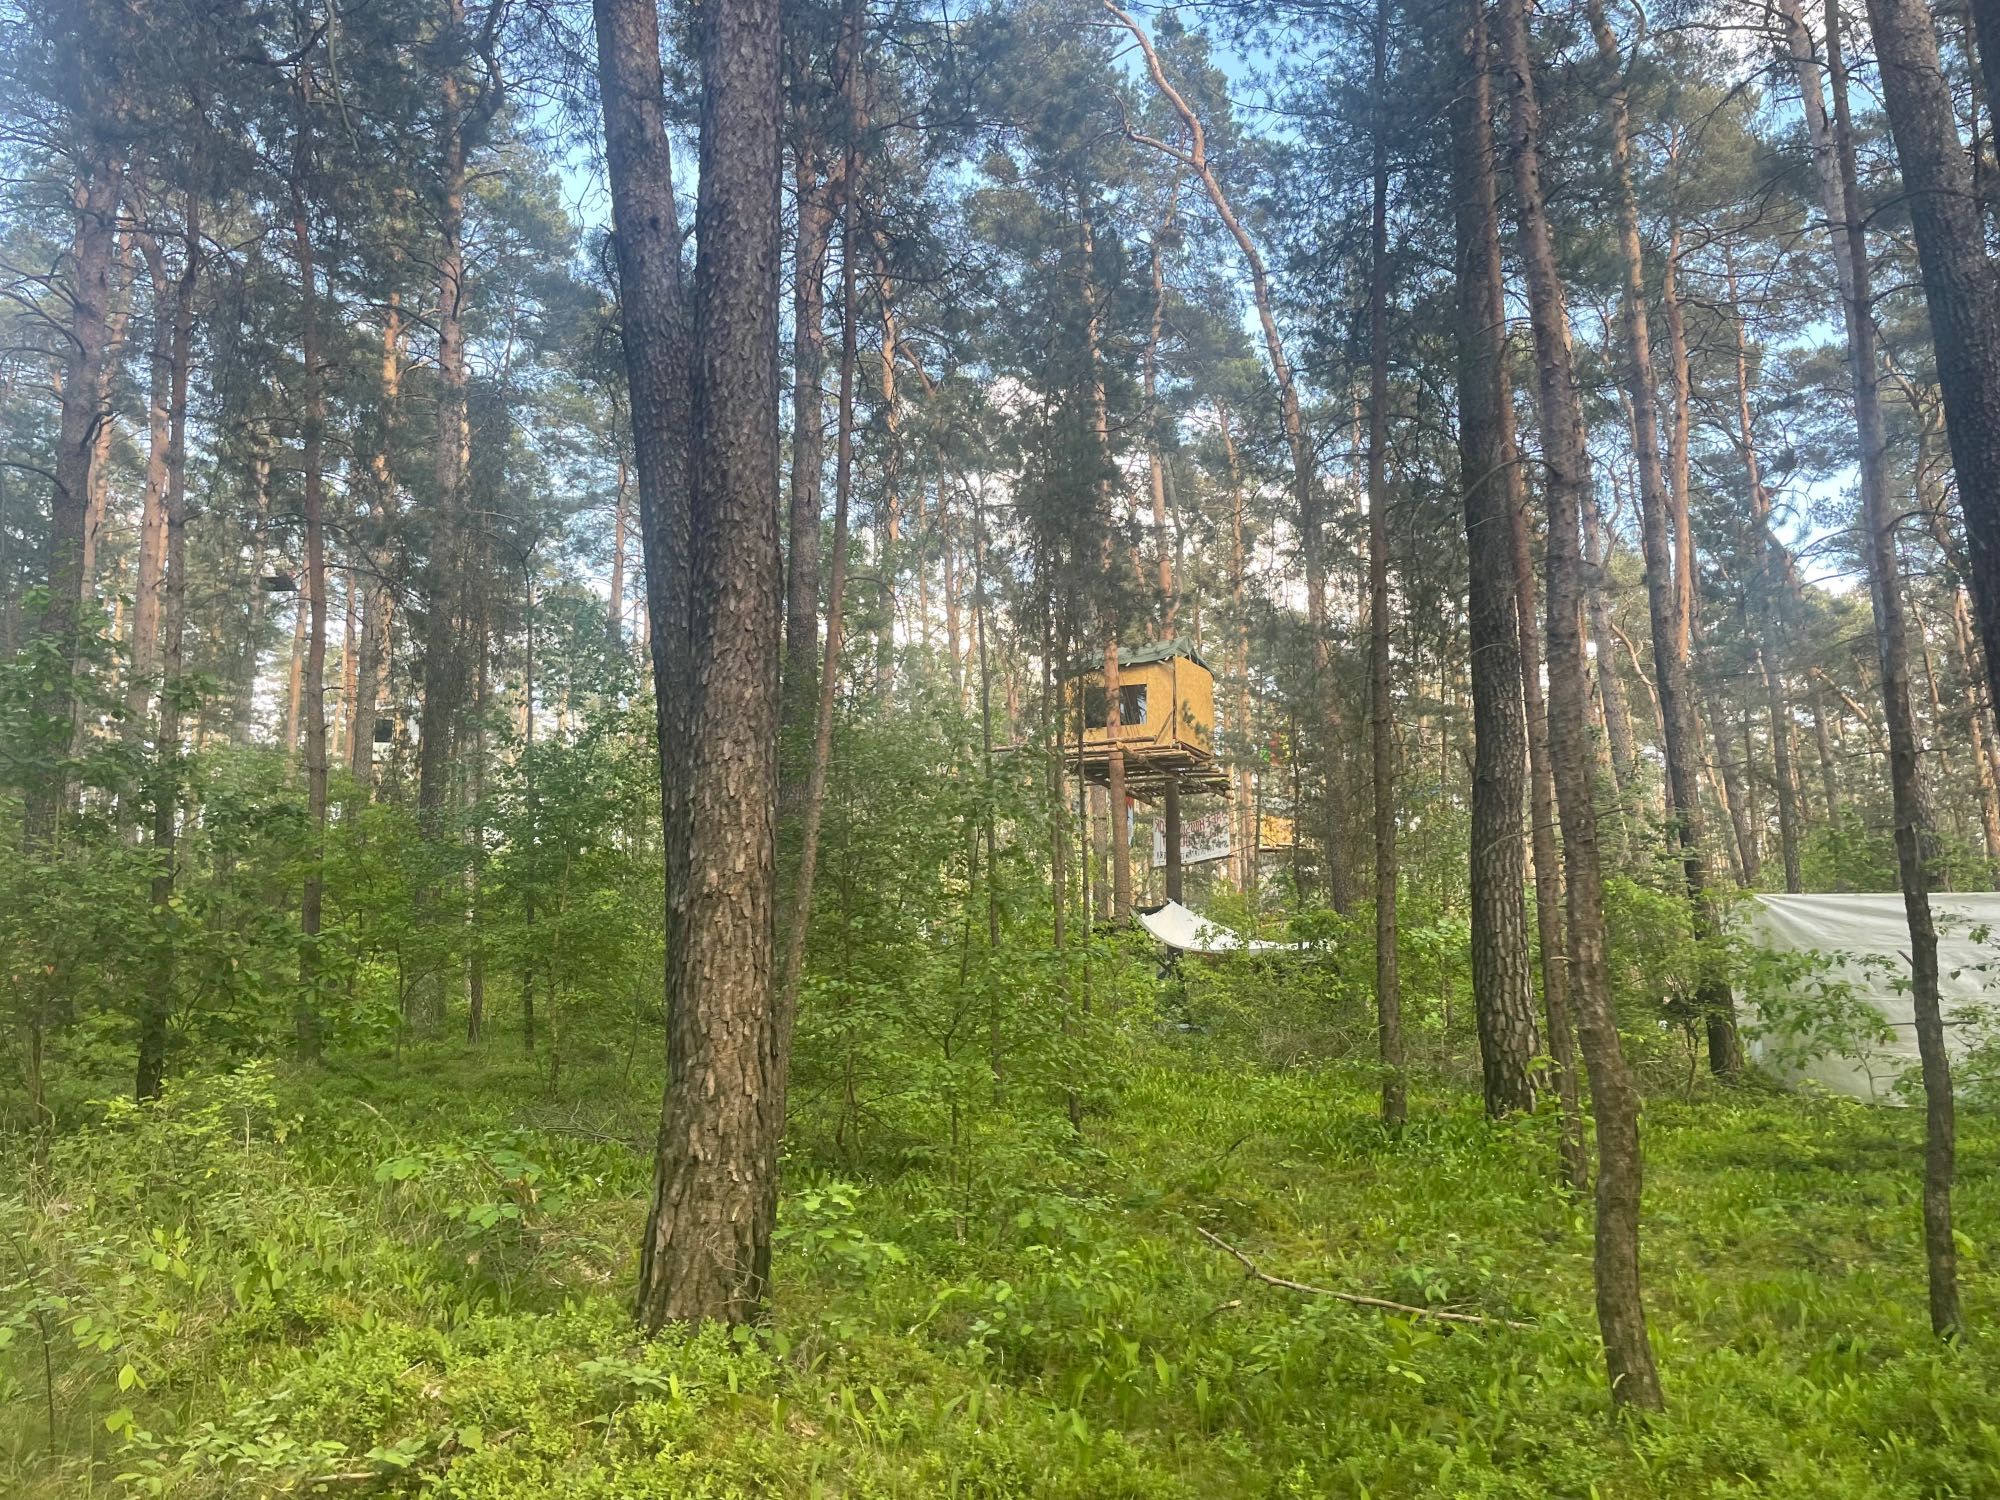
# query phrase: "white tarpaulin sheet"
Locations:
[[1177, 927], [1869, 938]]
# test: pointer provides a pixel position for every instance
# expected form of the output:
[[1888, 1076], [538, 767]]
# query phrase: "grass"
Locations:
[[405, 1277]]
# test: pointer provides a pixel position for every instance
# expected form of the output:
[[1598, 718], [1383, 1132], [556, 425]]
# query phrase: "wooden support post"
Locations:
[[1171, 806]]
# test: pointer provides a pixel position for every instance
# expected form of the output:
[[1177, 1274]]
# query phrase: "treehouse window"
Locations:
[[1131, 705]]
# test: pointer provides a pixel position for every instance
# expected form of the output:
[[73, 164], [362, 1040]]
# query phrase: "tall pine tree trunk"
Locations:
[[1381, 703], [377, 596], [55, 708], [1620, 1308], [152, 557], [815, 227], [706, 1252], [800, 918], [1885, 589], [243, 707], [444, 661], [1961, 280], [312, 437], [175, 301], [1503, 993]]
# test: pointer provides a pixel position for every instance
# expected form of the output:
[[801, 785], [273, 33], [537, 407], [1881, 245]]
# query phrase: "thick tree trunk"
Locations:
[[706, 1254], [445, 659], [1903, 42], [1961, 280], [1620, 1308], [656, 339], [1381, 703], [1978, 719], [1503, 993], [55, 709]]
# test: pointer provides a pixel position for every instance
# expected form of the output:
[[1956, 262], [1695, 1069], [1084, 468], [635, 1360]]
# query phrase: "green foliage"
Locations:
[[271, 1278]]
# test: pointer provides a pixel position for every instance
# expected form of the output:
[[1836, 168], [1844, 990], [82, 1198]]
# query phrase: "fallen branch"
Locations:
[[1250, 1269]]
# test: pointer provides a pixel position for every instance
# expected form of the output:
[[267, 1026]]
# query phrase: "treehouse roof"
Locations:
[[1146, 655]]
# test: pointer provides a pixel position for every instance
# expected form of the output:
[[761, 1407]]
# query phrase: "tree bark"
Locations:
[[800, 920], [1247, 820], [178, 296], [96, 200], [1961, 281], [244, 709], [1114, 723], [151, 562], [123, 290], [890, 517], [815, 230], [706, 1253], [1381, 703], [377, 596], [312, 436], [445, 658], [1610, 691], [1620, 1308], [1900, 44], [1163, 561], [1115, 795], [614, 607], [1503, 994]]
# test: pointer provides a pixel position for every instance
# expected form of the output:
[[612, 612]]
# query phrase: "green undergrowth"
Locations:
[[405, 1276]]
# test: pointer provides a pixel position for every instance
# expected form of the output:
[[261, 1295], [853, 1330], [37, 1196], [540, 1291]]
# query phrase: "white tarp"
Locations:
[[1869, 938], [1177, 927]]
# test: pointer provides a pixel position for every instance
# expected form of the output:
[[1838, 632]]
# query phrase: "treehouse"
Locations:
[[1276, 831], [1166, 720]]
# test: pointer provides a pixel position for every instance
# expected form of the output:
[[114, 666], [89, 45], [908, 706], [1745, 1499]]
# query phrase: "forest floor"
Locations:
[[410, 1275]]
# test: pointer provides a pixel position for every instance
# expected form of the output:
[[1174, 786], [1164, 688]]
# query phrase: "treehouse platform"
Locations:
[[1166, 728]]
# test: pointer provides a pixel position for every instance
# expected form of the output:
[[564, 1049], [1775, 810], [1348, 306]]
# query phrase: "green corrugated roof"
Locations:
[[1139, 656], [1152, 651]]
